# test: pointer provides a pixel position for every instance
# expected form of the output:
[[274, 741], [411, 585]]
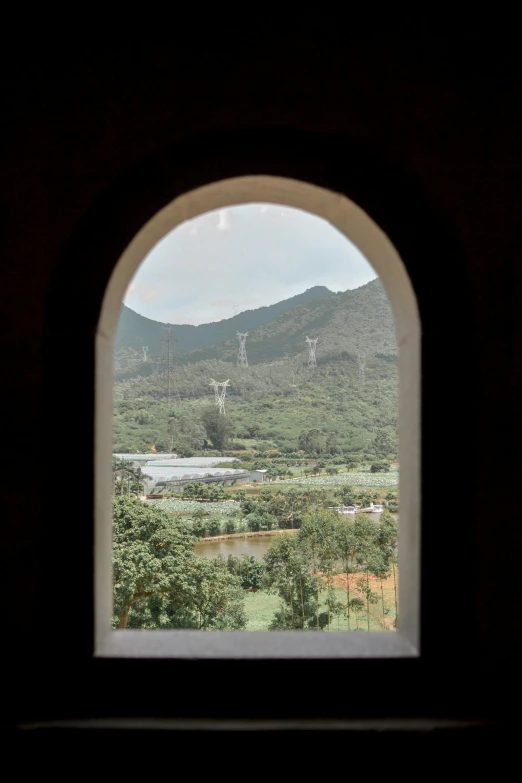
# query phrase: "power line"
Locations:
[[168, 355]]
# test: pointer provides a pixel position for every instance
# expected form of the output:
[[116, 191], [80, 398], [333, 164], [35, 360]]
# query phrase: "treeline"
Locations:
[[273, 510]]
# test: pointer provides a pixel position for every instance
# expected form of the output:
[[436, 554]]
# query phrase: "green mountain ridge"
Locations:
[[353, 321], [135, 330]]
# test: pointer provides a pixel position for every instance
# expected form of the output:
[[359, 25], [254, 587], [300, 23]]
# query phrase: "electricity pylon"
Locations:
[[220, 389], [242, 357], [312, 344], [361, 361]]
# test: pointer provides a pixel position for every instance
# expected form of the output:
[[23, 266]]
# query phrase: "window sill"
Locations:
[[254, 644]]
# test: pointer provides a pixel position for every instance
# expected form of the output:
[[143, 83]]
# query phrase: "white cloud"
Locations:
[[272, 253], [224, 220]]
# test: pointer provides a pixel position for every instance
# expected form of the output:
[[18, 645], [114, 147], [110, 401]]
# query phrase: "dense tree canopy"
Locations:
[[158, 580]]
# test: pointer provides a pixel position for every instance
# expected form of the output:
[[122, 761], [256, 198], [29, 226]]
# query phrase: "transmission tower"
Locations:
[[242, 357], [168, 356], [312, 344], [144, 350], [220, 389], [361, 361]]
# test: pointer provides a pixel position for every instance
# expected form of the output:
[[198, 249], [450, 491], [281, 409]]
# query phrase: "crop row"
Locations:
[[224, 508], [352, 479]]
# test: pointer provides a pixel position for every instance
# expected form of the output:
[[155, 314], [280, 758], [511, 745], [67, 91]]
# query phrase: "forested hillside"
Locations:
[[350, 397], [135, 330], [355, 321]]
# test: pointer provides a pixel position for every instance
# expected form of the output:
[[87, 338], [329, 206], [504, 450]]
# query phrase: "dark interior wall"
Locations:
[[424, 134]]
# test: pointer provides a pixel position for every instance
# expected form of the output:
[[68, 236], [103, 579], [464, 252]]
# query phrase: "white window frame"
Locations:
[[360, 229]]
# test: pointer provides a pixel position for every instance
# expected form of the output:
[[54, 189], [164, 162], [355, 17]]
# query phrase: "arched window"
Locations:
[[357, 226]]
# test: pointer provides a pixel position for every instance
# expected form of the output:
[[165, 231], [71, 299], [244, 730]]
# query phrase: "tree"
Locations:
[[383, 443], [139, 478], [251, 572], [316, 541], [260, 519], [366, 533], [273, 472], [380, 467], [151, 557], [387, 540], [122, 471], [288, 575], [217, 427], [311, 441], [216, 595], [347, 495], [158, 580], [332, 444], [185, 435], [346, 540]]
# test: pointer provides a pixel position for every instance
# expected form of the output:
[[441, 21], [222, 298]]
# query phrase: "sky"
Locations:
[[240, 258]]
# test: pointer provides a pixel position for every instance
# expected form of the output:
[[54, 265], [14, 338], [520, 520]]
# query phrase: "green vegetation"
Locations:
[[135, 330], [324, 439], [327, 417], [159, 581], [275, 404]]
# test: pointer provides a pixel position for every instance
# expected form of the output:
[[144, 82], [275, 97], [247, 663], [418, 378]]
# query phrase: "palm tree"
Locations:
[[120, 469], [139, 477], [123, 471]]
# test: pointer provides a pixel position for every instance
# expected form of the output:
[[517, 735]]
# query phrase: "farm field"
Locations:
[[365, 479]]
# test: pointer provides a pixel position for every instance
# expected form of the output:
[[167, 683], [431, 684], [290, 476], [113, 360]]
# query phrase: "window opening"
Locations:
[[255, 473]]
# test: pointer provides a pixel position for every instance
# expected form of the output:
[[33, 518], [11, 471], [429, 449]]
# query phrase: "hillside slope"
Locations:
[[276, 395], [349, 321], [134, 330]]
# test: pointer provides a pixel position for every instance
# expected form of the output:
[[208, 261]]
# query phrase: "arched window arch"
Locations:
[[355, 224]]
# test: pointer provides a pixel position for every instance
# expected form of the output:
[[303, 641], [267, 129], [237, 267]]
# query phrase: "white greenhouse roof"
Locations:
[[195, 462]]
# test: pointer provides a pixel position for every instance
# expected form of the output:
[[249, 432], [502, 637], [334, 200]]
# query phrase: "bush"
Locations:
[[230, 525], [380, 467], [214, 527]]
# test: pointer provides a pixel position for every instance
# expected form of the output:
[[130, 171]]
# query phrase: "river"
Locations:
[[256, 546]]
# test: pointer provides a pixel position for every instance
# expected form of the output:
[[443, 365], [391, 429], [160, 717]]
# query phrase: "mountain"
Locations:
[[349, 396], [350, 321], [135, 330]]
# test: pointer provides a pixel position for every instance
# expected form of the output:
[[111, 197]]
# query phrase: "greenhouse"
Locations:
[[181, 474]]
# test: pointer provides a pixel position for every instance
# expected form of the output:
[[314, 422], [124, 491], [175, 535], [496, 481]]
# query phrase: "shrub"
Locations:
[[380, 467]]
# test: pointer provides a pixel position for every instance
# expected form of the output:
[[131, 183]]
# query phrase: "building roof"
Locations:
[[144, 457], [195, 462]]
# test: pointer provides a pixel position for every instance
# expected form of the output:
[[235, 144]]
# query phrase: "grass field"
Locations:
[[261, 607]]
